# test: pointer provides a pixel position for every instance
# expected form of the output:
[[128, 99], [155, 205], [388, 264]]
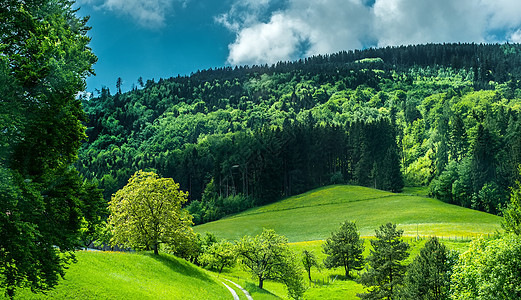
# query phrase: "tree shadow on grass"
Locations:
[[179, 265], [254, 289]]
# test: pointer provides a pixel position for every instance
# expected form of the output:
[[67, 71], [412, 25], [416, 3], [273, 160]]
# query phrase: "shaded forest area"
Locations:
[[440, 115]]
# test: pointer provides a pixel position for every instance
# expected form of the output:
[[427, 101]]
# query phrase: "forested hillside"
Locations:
[[440, 115]]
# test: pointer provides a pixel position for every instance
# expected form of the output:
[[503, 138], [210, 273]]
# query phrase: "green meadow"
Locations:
[[306, 220], [116, 275], [326, 283], [314, 215]]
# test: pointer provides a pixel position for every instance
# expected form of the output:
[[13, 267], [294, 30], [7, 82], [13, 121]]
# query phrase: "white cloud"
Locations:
[[147, 13], [332, 25], [400, 22], [326, 26], [267, 42], [515, 37], [243, 14]]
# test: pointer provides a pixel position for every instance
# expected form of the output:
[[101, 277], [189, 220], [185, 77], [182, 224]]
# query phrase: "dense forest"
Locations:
[[443, 115]]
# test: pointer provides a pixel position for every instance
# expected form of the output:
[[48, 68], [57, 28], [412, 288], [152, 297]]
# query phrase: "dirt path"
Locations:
[[234, 294], [248, 296]]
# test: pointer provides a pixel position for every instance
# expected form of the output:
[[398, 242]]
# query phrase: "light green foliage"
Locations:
[[512, 214], [344, 249], [147, 212], [428, 276], [218, 256], [386, 270], [267, 256], [116, 275], [489, 270]]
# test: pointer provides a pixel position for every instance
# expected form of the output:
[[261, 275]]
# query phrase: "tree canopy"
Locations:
[[425, 115], [344, 249], [489, 270], [267, 256], [385, 271], [148, 212], [44, 61], [428, 276]]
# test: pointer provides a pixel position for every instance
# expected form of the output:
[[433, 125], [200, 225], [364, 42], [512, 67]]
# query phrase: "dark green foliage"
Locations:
[[385, 271], [44, 60], [428, 276], [266, 132], [344, 249]]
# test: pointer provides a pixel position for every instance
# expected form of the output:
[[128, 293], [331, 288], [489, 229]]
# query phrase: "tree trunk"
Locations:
[[156, 251], [261, 282]]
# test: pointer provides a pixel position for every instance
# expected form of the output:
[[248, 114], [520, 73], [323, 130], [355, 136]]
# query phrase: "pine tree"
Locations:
[[428, 276], [386, 271], [344, 249]]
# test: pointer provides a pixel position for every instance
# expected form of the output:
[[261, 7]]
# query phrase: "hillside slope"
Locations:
[[112, 275], [315, 214], [446, 116]]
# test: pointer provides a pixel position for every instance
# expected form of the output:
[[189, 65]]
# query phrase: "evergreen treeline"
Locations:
[[444, 115]]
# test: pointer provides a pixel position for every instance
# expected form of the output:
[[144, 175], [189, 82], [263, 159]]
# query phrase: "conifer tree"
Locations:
[[386, 271], [344, 249], [428, 276]]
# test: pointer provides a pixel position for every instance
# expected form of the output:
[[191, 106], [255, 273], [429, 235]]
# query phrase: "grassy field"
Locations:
[[306, 220], [326, 283], [314, 215], [112, 275]]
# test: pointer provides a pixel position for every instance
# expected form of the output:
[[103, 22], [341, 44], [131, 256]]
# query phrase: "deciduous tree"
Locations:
[[512, 214], [147, 212], [489, 270], [44, 61], [309, 260], [267, 256], [218, 256]]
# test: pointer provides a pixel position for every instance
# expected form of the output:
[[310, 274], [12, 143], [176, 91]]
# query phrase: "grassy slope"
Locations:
[[309, 218], [110, 275], [315, 214]]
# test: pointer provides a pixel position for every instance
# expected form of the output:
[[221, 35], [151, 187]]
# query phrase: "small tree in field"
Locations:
[[309, 260], [386, 271], [344, 249], [267, 256], [147, 212], [218, 256], [428, 276]]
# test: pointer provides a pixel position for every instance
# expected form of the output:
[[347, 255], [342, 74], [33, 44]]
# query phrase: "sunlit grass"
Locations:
[[113, 275], [326, 283], [314, 215]]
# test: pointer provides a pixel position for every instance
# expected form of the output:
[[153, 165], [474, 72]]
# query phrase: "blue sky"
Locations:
[[164, 38]]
